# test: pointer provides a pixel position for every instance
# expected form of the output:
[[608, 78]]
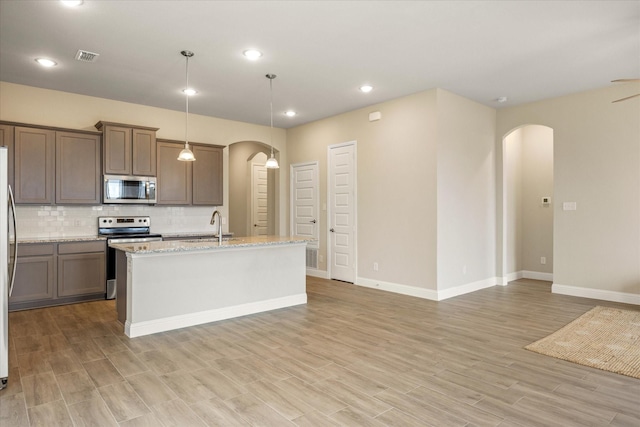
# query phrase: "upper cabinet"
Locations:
[[6, 140], [128, 150], [34, 158], [189, 183], [174, 177], [207, 175], [53, 166], [78, 177]]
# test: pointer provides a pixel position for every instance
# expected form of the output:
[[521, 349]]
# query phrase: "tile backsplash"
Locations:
[[79, 221]]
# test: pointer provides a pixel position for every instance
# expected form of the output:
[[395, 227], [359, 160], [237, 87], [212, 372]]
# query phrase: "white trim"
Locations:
[[355, 206], [397, 288], [467, 288], [601, 294], [182, 321], [427, 293], [313, 272], [537, 275]]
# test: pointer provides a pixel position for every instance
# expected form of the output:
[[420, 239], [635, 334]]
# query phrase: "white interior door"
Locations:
[[342, 211], [304, 201], [259, 211]]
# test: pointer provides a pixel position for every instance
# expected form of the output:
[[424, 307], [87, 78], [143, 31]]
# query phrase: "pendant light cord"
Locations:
[[186, 94], [271, 109]]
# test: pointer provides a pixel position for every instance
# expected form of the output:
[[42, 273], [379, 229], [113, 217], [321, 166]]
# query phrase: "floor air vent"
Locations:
[[312, 258]]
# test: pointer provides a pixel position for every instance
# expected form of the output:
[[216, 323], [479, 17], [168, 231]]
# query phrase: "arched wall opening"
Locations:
[[242, 155], [528, 201]]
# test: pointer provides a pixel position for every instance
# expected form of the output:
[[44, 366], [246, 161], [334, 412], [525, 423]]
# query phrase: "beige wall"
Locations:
[[596, 165], [32, 105], [537, 181], [529, 177], [396, 185], [466, 192], [513, 200]]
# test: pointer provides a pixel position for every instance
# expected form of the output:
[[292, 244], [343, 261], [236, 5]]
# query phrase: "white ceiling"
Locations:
[[322, 51]]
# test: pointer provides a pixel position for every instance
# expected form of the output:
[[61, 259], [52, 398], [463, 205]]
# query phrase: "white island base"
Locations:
[[169, 285]]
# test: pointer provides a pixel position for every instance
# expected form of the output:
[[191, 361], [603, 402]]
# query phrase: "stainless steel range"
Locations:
[[118, 229]]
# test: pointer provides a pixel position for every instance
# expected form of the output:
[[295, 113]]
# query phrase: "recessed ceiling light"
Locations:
[[189, 91], [45, 62], [366, 88], [72, 3], [252, 54], [290, 113]]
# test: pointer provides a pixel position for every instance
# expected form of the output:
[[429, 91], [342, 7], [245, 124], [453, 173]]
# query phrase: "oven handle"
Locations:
[[134, 240]]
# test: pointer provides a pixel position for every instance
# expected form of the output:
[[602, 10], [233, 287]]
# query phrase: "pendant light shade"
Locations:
[[186, 155], [272, 163]]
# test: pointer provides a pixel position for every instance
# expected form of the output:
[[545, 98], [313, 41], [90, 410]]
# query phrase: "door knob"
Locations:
[[313, 221], [331, 230], [255, 225]]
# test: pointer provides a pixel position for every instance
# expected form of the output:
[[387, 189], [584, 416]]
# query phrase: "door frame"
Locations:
[[315, 163], [355, 208]]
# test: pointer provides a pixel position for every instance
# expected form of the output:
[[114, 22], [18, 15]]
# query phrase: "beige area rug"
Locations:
[[604, 338]]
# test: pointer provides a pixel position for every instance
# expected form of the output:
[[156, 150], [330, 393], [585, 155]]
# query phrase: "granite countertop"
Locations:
[[60, 239], [207, 244]]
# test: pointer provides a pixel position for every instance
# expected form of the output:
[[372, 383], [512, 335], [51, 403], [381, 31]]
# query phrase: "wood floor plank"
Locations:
[[350, 356]]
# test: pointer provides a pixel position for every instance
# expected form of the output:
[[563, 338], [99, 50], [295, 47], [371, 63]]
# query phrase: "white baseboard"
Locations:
[[138, 329], [467, 288], [524, 274], [601, 294], [426, 293], [537, 275], [314, 272], [398, 288]]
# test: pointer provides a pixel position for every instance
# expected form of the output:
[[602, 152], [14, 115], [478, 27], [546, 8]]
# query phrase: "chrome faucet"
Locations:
[[213, 221]]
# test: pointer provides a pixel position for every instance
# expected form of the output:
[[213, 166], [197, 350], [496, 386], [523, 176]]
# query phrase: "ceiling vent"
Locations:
[[85, 56]]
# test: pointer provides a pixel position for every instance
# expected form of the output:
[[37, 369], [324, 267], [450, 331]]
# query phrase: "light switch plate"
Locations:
[[569, 206]]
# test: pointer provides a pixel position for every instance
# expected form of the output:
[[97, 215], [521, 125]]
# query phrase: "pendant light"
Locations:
[[186, 155], [272, 163]]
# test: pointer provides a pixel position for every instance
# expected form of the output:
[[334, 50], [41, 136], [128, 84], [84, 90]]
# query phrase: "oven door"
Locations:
[[111, 259], [129, 189]]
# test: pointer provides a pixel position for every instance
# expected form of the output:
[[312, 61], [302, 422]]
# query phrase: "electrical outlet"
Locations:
[[375, 266], [543, 260], [224, 220]]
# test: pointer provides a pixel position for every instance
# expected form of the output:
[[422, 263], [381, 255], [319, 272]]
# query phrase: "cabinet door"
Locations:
[[144, 152], [80, 274], [207, 175], [174, 177], [34, 279], [117, 150], [34, 165], [78, 160], [6, 140]]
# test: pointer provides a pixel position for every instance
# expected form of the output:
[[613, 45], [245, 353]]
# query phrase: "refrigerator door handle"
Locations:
[[15, 244]]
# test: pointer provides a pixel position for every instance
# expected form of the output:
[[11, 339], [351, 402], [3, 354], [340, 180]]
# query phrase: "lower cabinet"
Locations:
[[59, 273]]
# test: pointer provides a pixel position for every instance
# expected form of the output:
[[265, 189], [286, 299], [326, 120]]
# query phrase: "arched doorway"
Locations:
[[242, 156], [528, 203]]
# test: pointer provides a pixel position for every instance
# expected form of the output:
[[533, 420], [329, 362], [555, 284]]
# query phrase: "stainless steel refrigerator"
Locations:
[[7, 262]]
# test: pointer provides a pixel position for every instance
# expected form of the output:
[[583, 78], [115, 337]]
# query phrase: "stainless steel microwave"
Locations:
[[139, 190]]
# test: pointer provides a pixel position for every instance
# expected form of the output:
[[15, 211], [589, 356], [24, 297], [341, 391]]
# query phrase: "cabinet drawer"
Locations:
[[35, 249], [81, 247]]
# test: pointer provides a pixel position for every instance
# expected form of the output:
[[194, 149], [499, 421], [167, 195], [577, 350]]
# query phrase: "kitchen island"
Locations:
[[169, 285]]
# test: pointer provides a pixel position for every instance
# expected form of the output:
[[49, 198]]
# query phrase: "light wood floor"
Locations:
[[352, 356]]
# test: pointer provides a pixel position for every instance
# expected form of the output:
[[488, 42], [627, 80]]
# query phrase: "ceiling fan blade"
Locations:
[[628, 97], [625, 80]]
